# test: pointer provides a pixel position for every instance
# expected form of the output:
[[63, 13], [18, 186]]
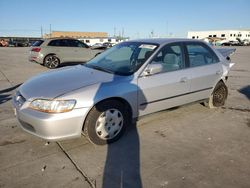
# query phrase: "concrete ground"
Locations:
[[189, 147]]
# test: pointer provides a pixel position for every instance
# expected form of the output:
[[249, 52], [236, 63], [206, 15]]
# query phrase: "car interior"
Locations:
[[170, 58]]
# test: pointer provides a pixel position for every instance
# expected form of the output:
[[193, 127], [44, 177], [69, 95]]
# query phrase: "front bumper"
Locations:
[[51, 127]]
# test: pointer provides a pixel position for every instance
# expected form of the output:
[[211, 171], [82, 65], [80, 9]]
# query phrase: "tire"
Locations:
[[218, 96], [51, 61], [106, 122]]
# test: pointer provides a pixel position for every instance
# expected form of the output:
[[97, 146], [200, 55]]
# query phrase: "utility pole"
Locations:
[[122, 32], [167, 28], [50, 30], [41, 31], [114, 31], [152, 33]]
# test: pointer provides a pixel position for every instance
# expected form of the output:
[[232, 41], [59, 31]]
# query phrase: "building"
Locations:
[[228, 35], [89, 38], [75, 34]]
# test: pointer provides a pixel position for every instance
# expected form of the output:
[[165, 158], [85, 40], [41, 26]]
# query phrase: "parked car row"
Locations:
[[15, 43], [3, 43], [103, 46], [129, 80], [236, 43]]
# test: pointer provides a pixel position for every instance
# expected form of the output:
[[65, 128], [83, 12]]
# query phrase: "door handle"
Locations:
[[183, 80], [219, 72]]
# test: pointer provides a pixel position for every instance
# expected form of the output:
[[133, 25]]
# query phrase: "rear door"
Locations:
[[61, 48], [170, 87], [205, 68]]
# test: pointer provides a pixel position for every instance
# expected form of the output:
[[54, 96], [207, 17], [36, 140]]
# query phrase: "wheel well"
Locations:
[[123, 101]]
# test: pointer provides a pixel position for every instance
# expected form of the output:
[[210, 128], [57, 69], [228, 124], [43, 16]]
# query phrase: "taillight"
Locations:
[[36, 49]]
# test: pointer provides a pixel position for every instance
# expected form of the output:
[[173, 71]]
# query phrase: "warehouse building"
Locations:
[[75, 34], [89, 38], [229, 35]]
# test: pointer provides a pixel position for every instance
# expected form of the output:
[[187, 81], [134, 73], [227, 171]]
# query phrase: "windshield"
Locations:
[[124, 58]]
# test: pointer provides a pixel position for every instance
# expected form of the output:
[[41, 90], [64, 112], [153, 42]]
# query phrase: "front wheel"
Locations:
[[51, 61], [106, 122], [218, 96]]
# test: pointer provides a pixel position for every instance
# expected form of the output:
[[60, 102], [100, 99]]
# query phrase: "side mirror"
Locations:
[[153, 69]]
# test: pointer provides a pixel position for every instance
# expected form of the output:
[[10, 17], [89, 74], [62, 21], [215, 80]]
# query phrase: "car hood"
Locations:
[[55, 83]]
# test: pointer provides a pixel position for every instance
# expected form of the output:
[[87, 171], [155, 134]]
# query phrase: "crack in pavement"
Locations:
[[91, 182], [6, 77], [237, 109]]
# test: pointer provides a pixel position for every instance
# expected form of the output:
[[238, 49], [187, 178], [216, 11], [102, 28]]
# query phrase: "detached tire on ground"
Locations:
[[51, 61], [218, 96], [106, 122]]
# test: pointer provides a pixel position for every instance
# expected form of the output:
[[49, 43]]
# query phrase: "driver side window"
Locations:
[[171, 58]]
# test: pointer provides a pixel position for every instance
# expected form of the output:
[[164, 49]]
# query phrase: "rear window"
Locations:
[[60, 42], [37, 43], [200, 55]]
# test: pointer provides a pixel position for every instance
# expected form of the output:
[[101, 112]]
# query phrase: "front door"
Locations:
[[168, 88]]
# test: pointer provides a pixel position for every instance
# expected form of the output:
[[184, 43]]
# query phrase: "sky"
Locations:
[[133, 18]]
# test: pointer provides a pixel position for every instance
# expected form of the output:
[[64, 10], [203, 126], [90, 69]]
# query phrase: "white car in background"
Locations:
[[55, 51]]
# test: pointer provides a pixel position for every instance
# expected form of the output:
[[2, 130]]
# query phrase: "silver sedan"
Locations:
[[129, 80]]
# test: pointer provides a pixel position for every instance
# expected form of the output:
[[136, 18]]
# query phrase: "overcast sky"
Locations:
[[137, 18]]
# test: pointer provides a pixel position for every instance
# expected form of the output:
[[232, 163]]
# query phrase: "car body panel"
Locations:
[[65, 80], [52, 126], [209, 74], [114, 87], [157, 95]]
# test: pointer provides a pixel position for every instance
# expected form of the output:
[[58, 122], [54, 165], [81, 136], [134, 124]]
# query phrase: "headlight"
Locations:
[[52, 106]]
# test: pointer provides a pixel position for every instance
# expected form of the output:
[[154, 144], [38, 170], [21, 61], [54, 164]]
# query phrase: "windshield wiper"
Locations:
[[99, 68]]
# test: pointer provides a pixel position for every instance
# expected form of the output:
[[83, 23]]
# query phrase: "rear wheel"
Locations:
[[219, 96], [106, 122], [51, 61]]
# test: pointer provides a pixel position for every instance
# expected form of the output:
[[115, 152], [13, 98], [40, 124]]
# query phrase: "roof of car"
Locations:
[[161, 41], [60, 38]]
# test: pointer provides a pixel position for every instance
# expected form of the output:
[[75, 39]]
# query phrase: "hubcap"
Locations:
[[52, 61], [109, 124]]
